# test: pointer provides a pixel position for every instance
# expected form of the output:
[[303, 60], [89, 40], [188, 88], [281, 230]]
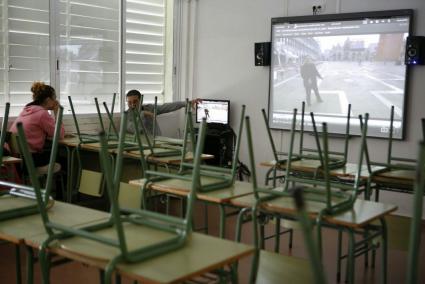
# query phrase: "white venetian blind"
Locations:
[[28, 49], [145, 47], [2, 56], [89, 49]]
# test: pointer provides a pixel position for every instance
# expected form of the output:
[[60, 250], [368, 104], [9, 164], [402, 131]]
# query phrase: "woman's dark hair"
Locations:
[[134, 93], [41, 92]]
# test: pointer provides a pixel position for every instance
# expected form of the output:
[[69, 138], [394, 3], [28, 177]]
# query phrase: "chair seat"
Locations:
[[43, 170], [277, 268]]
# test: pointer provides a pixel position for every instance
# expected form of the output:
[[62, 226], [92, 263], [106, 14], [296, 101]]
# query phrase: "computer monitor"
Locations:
[[216, 111]]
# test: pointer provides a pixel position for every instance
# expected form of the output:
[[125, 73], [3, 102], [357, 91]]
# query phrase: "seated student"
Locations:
[[39, 124], [133, 101]]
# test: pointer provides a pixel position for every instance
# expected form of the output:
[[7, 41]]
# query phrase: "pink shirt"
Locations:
[[38, 125]]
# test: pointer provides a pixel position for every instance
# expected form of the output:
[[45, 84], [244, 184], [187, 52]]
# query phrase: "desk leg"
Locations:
[[384, 250], [277, 232], [222, 221], [351, 256], [30, 265], [68, 197], [18, 264], [338, 268]]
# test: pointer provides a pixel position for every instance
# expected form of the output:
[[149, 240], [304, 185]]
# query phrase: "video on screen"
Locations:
[[333, 63], [216, 111]]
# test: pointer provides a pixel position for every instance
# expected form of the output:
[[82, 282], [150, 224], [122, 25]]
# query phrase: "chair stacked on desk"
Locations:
[[416, 224], [395, 174], [212, 178], [306, 156], [326, 197], [20, 200], [176, 230]]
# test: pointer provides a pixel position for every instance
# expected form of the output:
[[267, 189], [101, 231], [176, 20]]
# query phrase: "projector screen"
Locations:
[[216, 111], [329, 61]]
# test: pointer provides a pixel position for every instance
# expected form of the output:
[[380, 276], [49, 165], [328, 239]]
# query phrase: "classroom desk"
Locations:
[[168, 160], [71, 143], [10, 164], [402, 180], [17, 229], [195, 258], [220, 197], [311, 166], [363, 214]]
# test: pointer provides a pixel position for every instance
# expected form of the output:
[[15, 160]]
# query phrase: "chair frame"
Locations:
[[23, 191], [416, 224], [337, 162], [180, 227], [392, 163], [225, 177]]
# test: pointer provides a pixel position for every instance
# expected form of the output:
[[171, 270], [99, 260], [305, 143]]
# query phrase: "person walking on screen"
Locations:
[[310, 74]]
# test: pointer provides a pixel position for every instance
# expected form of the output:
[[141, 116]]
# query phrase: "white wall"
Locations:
[[224, 68]]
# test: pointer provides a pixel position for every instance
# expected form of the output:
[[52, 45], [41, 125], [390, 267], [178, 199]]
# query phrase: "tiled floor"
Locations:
[[77, 273]]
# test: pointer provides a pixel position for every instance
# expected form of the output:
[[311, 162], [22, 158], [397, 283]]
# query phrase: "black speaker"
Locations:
[[415, 50], [262, 53]]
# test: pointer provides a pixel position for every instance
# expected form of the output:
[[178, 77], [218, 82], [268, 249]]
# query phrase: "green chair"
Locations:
[[160, 146], [270, 267], [416, 225], [337, 159], [177, 229], [396, 174], [337, 197], [21, 198], [212, 177]]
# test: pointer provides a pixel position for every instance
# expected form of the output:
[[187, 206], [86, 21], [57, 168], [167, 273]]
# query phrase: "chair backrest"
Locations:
[[91, 183], [42, 199], [416, 224], [112, 178], [409, 163], [303, 218], [326, 183], [338, 155], [224, 177], [3, 133], [112, 132], [84, 138]]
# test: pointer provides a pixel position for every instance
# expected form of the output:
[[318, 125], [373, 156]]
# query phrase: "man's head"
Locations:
[[133, 99]]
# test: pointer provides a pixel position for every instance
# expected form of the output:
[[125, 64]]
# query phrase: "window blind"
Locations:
[[28, 49], [88, 52], [145, 47]]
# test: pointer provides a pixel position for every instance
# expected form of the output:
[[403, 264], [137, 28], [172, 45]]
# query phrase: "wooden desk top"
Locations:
[[9, 202], [9, 160], [16, 230], [399, 177], [194, 259], [364, 212], [182, 187], [169, 160], [70, 141], [310, 166]]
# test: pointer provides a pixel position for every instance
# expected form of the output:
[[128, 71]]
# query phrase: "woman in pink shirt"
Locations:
[[38, 123]]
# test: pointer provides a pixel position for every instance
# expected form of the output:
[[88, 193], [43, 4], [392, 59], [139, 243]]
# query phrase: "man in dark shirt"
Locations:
[[310, 74], [133, 102]]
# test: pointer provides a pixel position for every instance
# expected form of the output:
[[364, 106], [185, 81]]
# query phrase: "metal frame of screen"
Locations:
[[325, 22]]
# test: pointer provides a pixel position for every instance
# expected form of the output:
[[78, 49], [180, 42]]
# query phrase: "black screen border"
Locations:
[[347, 16]]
